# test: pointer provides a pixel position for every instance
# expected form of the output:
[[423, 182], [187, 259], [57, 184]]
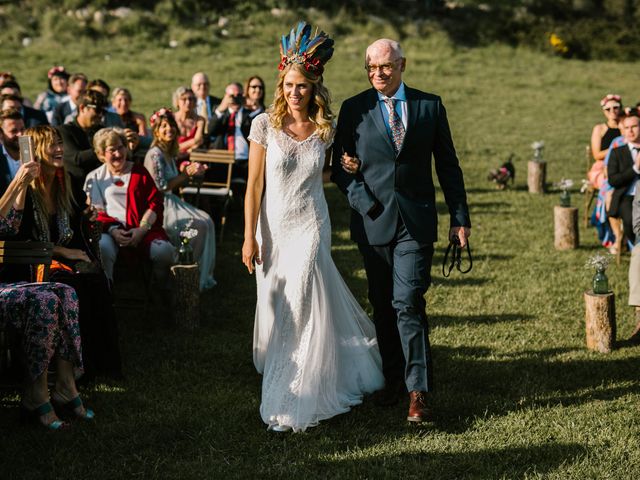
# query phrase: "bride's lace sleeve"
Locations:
[[259, 128]]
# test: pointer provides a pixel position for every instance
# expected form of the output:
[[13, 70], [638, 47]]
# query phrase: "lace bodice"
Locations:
[[293, 177]]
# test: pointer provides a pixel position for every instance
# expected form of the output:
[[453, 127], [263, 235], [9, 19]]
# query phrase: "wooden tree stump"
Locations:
[[536, 176], [566, 233], [187, 292], [600, 321]]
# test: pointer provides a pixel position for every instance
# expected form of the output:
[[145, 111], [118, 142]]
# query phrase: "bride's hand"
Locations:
[[251, 252]]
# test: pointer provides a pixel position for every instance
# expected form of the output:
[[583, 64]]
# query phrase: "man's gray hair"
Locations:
[[385, 43]]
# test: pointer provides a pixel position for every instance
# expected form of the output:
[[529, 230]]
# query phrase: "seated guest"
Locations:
[[66, 111], [55, 212], [130, 207], [254, 92], [11, 127], [231, 125], [9, 101], [121, 103], [45, 317], [109, 118], [205, 103], [31, 116], [623, 171], [5, 77], [603, 133], [161, 163], [56, 91], [190, 124], [77, 136]]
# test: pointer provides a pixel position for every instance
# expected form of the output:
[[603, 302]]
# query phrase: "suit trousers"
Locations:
[[634, 277], [399, 275], [625, 213]]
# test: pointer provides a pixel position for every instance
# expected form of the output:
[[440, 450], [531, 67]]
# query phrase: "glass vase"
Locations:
[[600, 282], [185, 253], [565, 198]]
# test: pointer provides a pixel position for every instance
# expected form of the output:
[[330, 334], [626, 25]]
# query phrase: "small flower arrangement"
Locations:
[[598, 262], [188, 235], [600, 282], [585, 185], [185, 252], [565, 185], [537, 146]]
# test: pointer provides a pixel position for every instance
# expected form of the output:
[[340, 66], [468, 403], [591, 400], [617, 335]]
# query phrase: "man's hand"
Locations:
[[461, 233], [132, 139]]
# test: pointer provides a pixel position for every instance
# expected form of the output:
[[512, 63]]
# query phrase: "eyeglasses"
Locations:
[[386, 68], [259, 87], [607, 109], [114, 149]]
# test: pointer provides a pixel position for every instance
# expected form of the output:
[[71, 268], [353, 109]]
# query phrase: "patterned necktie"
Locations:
[[231, 132], [395, 124]]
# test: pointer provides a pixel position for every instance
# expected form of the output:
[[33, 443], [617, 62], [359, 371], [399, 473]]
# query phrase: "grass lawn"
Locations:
[[518, 395]]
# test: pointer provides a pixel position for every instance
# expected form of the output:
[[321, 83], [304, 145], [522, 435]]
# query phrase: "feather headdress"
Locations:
[[299, 46]]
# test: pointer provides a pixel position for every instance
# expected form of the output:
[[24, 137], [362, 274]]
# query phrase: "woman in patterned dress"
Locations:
[[45, 316]]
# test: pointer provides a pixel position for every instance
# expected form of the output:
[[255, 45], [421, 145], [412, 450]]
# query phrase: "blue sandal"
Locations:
[[33, 416], [68, 409]]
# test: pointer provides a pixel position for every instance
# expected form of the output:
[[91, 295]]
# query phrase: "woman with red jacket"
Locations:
[[130, 207]]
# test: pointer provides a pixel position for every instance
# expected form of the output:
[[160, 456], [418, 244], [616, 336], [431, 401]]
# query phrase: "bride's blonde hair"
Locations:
[[319, 111]]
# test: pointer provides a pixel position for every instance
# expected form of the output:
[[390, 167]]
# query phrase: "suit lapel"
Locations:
[[376, 115], [412, 112]]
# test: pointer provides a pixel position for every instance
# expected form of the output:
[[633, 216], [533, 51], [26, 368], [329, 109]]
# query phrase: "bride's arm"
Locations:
[[252, 201]]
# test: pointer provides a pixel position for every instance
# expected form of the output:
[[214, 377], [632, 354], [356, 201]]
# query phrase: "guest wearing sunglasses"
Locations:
[[190, 124], [603, 133], [254, 93]]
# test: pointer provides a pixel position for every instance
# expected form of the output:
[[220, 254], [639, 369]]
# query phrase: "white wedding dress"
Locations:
[[312, 342]]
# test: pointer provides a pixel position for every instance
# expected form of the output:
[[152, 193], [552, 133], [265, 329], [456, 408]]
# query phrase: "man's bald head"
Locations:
[[384, 45], [200, 85], [384, 62]]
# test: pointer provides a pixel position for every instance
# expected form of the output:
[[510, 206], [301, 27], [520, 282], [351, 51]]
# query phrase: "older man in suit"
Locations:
[[623, 171], [385, 139]]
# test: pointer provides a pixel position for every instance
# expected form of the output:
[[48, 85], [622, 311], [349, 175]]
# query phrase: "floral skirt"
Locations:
[[45, 315]]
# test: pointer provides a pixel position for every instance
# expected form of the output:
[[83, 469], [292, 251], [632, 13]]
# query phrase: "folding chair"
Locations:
[[216, 182]]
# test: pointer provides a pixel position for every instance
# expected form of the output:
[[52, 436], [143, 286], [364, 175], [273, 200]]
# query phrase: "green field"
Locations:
[[518, 395]]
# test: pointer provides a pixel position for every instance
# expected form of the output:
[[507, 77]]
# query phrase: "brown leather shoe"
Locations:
[[390, 395], [418, 410]]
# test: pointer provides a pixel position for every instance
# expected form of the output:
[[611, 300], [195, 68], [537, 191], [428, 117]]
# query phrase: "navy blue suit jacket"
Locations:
[[402, 184], [621, 175]]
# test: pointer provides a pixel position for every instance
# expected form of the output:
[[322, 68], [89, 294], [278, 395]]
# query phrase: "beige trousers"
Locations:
[[634, 277]]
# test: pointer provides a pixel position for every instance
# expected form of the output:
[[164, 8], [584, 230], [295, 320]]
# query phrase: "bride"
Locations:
[[313, 343]]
